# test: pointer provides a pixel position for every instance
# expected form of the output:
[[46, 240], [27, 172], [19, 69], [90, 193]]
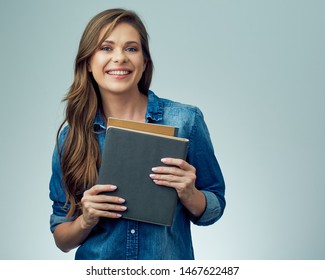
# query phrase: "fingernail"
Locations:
[[164, 160], [154, 168], [121, 200], [113, 187], [152, 175], [123, 208]]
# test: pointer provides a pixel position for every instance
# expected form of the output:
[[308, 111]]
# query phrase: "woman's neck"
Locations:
[[125, 106]]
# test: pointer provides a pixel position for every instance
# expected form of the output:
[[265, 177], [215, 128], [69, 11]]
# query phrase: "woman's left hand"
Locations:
[[178, 174]]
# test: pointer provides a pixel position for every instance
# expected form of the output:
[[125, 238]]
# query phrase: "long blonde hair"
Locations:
[[80, 152]]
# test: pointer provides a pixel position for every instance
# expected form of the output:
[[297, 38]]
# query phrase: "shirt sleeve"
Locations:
[[208, 173], [57, 193]]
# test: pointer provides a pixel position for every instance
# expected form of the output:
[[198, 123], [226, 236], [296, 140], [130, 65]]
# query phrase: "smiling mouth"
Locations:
[[118, 72]]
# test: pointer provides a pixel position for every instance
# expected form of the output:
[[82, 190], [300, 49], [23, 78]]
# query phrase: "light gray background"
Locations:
[[255, 68]]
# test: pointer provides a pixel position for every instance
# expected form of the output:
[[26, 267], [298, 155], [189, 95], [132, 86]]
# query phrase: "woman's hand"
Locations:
[[178, 174], [181, 176], [96, 205]]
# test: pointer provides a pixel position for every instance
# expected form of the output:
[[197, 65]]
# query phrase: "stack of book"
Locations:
[[131, 150]]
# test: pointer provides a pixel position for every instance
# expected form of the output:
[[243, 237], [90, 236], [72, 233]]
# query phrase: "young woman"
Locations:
[[113, 71]]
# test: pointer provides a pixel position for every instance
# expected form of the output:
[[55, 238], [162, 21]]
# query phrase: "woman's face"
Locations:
[[118, 64]]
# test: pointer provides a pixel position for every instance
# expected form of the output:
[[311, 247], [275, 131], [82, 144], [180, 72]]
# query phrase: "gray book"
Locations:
[[127, 160]]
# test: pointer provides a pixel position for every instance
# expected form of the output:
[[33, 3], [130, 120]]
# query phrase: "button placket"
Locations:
[[132, 246]]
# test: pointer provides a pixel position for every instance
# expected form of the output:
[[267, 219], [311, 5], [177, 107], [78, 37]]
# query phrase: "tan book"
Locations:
[[144, 127]]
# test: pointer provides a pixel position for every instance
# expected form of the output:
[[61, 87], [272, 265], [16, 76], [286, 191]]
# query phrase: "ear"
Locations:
[[144, 65], [89, 67]]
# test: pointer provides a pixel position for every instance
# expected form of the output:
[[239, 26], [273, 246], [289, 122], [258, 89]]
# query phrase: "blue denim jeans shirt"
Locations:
[[125, 239]]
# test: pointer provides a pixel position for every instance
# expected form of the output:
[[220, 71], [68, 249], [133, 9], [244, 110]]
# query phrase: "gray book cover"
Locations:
[[127, 160]]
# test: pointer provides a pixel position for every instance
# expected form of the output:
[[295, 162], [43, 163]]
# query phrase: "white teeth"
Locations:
[[118, 72]]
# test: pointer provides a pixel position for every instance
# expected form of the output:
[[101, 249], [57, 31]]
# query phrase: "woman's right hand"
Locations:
[[96, 205]]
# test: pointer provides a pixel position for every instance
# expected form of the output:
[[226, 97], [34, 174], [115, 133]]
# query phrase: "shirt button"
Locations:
[[133, 231]]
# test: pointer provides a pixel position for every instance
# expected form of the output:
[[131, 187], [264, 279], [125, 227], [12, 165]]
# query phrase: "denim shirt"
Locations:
[[126, 239]]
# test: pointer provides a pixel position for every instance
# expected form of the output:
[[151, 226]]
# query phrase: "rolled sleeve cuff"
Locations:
[[212, 212], [55, 220]]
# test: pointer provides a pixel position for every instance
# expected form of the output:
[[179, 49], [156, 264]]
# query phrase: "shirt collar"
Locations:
[[154, 112], [155, 107], [99, 122]]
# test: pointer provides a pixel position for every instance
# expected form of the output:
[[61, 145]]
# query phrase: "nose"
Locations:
[[120, 56]]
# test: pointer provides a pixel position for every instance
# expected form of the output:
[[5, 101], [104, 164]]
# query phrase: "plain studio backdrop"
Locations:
[[255, 68]]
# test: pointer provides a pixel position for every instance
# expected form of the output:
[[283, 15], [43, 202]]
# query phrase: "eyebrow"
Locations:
[[126, 43]]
